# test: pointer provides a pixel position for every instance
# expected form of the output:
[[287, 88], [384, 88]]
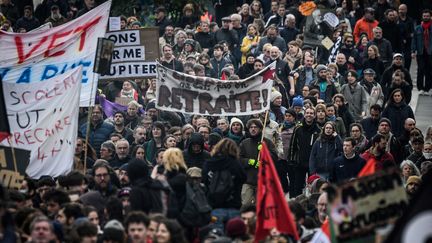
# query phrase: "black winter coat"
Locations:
[[345, 169], [193, 159], [303, 138], [397, 114], [218, 163]]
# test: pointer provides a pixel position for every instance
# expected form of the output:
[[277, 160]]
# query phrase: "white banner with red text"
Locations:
[[40, 55]]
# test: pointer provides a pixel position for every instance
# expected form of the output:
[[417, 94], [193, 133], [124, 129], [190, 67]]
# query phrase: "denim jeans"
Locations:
[[223, 215]]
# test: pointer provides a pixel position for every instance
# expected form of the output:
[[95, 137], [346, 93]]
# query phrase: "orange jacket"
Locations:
[[363, 26]]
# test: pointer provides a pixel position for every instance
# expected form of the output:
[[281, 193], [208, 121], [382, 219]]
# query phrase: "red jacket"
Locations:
[[379, 165], [363, 26]]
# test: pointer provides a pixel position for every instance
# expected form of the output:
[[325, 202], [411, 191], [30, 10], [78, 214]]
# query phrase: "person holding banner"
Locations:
[[169, 60], [100, 130], [249, 149]]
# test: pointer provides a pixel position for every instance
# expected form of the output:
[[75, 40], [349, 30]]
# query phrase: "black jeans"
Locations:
[[424, 72], [297, 177]]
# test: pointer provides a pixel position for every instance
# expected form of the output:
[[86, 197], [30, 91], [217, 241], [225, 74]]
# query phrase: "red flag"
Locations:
[[368, 169], [272, 209], [223, 77], [269, 74], [4, 123]]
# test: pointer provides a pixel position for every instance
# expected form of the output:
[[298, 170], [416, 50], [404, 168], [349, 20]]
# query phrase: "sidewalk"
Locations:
[[423, 112], [421, 105]]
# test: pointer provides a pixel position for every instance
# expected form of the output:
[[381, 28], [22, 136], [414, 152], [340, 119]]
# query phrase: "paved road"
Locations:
[[422, 105]]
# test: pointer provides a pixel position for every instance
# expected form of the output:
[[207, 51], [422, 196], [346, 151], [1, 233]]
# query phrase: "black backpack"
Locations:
[[196, 211], [220, 188]]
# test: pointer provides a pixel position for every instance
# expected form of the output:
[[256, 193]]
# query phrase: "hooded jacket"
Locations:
[[324, 151], [195, 159], [146, 194], [220, 162]]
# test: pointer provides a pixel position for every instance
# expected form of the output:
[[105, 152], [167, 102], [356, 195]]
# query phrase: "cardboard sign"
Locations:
[[8, 177], [360, 206], [180, 92], [35, 57], [135, 53], [43, 118]]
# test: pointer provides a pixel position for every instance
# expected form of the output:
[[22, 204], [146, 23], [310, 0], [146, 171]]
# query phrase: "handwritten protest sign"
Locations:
[[40, 55], [364, 204], [134, 54], [185, 93], [43, 118], [10, 176]]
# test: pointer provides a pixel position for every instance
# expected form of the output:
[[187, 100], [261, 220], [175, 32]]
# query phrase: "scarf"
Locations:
[[288, 125], [426, 26]]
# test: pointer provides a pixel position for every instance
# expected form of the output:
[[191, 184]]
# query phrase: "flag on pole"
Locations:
[[4, 123], [323, 234], [272, 209], [368, 169]]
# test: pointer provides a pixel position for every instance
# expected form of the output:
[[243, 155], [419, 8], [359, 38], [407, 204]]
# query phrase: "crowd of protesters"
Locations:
[[148, 175]]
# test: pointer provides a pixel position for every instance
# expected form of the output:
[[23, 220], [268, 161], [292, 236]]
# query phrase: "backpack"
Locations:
[[220, 188], [196, 211]]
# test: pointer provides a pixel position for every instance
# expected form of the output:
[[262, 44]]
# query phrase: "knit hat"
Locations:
[[194, 172], [385, 120], [256, 122], [214, 138], [190, 42], [150, 105], [397, 55], [291, 111], [320, 67], [275, 94], [235, 119], [414, 179], [114, 231], [235, 228], [124, 166], [297, 101], [136, 23]]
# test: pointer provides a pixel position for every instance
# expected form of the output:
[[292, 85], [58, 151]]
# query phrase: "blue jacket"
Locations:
[[98, 134], [324, 151], [417, 44]]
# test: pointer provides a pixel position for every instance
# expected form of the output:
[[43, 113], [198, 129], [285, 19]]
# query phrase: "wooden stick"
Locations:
[[85, 146], [263, 132]]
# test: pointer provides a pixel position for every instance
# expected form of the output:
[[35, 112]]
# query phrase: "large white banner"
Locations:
[[43, 118], [180, 92], [40, 55]]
